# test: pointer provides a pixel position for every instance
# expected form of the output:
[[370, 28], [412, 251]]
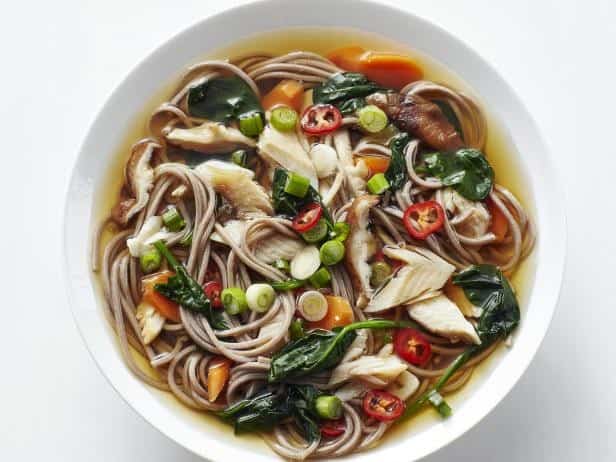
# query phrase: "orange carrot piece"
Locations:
[[339, 314], [347, 58], [499, 225], [285, 93], [217, 376], [376, 164], [168, 308]]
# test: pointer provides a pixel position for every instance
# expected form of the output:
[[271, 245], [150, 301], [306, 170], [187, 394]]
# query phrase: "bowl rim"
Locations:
[[77, 211]]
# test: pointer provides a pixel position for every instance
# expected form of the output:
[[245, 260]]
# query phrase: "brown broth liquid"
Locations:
[[499, 149]]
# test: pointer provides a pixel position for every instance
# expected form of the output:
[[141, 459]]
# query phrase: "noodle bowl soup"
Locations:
[[313, 244]]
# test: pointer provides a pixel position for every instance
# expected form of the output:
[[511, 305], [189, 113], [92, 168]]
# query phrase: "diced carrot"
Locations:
[[285, 93], [388, 69], [499, 225], [217, 376], [456, 294], [339, 314], [376, 164], [168, 308], [347, 58]]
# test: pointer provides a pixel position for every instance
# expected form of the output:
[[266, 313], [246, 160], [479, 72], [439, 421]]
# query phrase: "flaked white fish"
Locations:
[[210, 138]]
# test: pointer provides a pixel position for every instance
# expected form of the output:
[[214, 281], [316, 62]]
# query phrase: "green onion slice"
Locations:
[[331, 252], [251, 124], [297, 185], [378, 184], [372, 119], [283, 118], [234, 300], [317, 232]]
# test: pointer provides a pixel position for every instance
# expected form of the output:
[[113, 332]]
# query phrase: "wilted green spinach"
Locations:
[[396, 173], [345, 90]]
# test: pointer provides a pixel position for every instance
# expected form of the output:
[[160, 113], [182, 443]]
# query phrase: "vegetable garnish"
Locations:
[[339, 314], [267, 409], [251, 124], [328, 407], [466, 170], [378, 184], [423, 219], [376, 164], [345, 90], [316, 233], [289, 284], [150, 261], [396, 172], [321, 119], [332, 252], [260, 297], [333, 428], [296, 329], [341, 231], [320, 350], [222, 99], [168, 308], [305, 262], [290, 205], [183, 289], [308, 218], [321, 278], [312, 305], [498, 223], [380, 271], [234, 300], [212, 290], [372, 119], [282, 265], [173, 220], [382, 405], [412, 346], [285, 93], [297, 185], [217, 376], [283, 118], [486, 287]]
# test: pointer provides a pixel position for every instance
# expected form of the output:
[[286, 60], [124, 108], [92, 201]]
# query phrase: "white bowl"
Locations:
[[192, 430]]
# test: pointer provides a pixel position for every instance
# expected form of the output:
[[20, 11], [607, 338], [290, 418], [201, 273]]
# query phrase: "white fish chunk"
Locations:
[[355, 174], [360, 246], [151, 231], [404, 386], [284, 149], [210, 138], [357, 347], [383, 368], [278, 247], [237, 186], [235, 229], [477, 219], [423, 274], [443, 317], [150, 321]]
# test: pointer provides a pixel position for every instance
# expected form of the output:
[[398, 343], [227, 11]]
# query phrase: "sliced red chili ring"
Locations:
[[212, 290], [320, 119], [412, 346], [307, 218], [382, 405], [333, 428], [424, 218]]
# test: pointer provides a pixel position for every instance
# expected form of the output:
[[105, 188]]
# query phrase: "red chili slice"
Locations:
[[382, 405], [320, 119], [212, 290], [424, 218], [412, 346], [307, 218], [333, 428]]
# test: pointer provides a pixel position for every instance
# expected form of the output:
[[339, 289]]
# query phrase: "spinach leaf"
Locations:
[[351, 106], [450, 115], [183, 289], [287, 204], [320, 350], [223, 99], [486, 287], [342, 87], [466, 170], [396, 173], [264, 411]]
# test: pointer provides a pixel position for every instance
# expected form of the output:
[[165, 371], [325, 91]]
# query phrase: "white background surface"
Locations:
[[60, 60]]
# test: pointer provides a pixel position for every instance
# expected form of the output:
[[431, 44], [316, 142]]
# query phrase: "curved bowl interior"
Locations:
[[218, 443]]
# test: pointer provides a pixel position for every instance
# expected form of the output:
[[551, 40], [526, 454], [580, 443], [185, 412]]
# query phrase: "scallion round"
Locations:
[[234, 300], [328, 407], [283, 118], [260, 297], [321, 278], [380, 272], [331, 252], [150, 261], [317, 232], [312, 305], [251, 124], [296, 185], [372, 119], [341, 231], [173, 220], [378, 184]]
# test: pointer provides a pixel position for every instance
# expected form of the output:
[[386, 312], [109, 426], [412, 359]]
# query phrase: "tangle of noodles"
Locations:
[[181, 354]]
